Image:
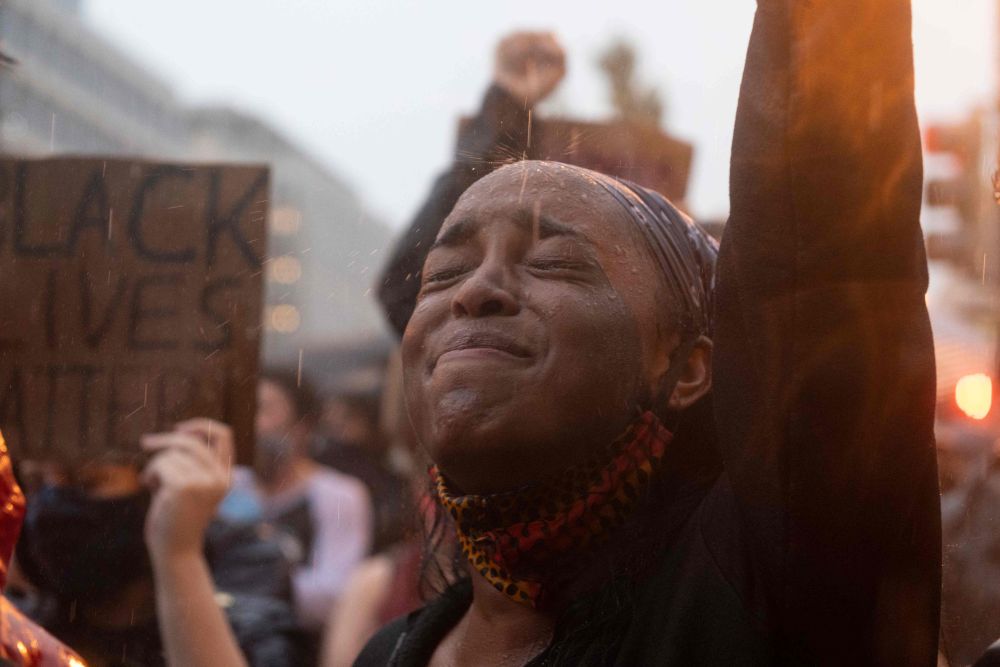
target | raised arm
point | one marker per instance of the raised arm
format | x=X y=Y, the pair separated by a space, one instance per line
x=824 y=368
x=528 y=67
x=189 y=475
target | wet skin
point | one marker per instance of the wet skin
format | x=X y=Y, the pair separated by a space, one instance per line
x=539 y=330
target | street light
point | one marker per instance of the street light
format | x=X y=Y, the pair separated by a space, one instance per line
x=974 y=395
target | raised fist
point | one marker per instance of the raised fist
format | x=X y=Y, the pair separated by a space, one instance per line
x=529 y=65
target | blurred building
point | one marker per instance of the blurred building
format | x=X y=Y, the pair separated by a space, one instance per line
x=959 y=213
x=323 y=247
x=959 y=218
x=72 y=92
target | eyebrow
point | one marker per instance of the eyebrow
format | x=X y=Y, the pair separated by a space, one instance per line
x=547 y=227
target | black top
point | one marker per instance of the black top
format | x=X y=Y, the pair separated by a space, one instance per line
x=819 y=543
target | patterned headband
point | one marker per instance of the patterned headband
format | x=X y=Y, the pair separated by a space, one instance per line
x=685 y=253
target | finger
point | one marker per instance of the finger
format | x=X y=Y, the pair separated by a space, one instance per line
x=190 y=442
x=548 y=51
x=218 y=435
x=519 y=39
x=550 y=42
x=177 y=459
x=520 y=46
x=152 y=442
x=210 y=429
x=163 y=471
x=506 y=46
x=190 y=445
x=173 y=469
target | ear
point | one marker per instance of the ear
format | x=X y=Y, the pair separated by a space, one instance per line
x=696 y=376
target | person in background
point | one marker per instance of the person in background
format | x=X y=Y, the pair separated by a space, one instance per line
x=83 y=552
x=963 y=453
x=970 y=511
x=388 y=584
x=321 y=516
x=350 y=419
x=382 y=588
x=22 y=642
x=352 y=442
x=648 y=461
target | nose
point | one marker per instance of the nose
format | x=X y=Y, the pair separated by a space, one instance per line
x=485 y=293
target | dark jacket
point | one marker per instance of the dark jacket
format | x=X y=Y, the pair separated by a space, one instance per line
x=251 y=580
x=819 y=543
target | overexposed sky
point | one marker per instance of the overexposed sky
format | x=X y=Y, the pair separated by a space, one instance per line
x=373 y=87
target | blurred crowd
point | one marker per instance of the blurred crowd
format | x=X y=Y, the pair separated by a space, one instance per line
x=320 y=543
x=321 y=540
x=324 y=516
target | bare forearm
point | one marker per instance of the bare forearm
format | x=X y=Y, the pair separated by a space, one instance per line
x=195 y=631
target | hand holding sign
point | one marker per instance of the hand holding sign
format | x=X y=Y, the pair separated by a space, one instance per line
x=188 y=475
x=130 y=298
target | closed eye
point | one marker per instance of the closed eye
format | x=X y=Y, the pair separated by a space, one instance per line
x=557 y=265
x=445 y=274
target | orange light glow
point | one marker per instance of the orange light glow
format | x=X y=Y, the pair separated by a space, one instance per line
x=974 y=395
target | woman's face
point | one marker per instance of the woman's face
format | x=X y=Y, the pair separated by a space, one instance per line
x=536 y=333
x=275 y=410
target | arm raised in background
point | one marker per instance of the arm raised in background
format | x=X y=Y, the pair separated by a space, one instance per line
x=528 y=67
x=189 y=476
x=824 y=367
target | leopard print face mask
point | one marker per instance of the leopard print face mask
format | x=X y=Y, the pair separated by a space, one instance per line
x=528 y=543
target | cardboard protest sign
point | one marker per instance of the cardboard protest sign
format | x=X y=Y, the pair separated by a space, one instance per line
x=639 y=153
x=130 y=298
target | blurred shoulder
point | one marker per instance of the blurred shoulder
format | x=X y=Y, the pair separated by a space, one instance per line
x=330 y=483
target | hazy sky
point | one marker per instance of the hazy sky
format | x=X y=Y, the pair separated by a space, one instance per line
x=373 y=87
